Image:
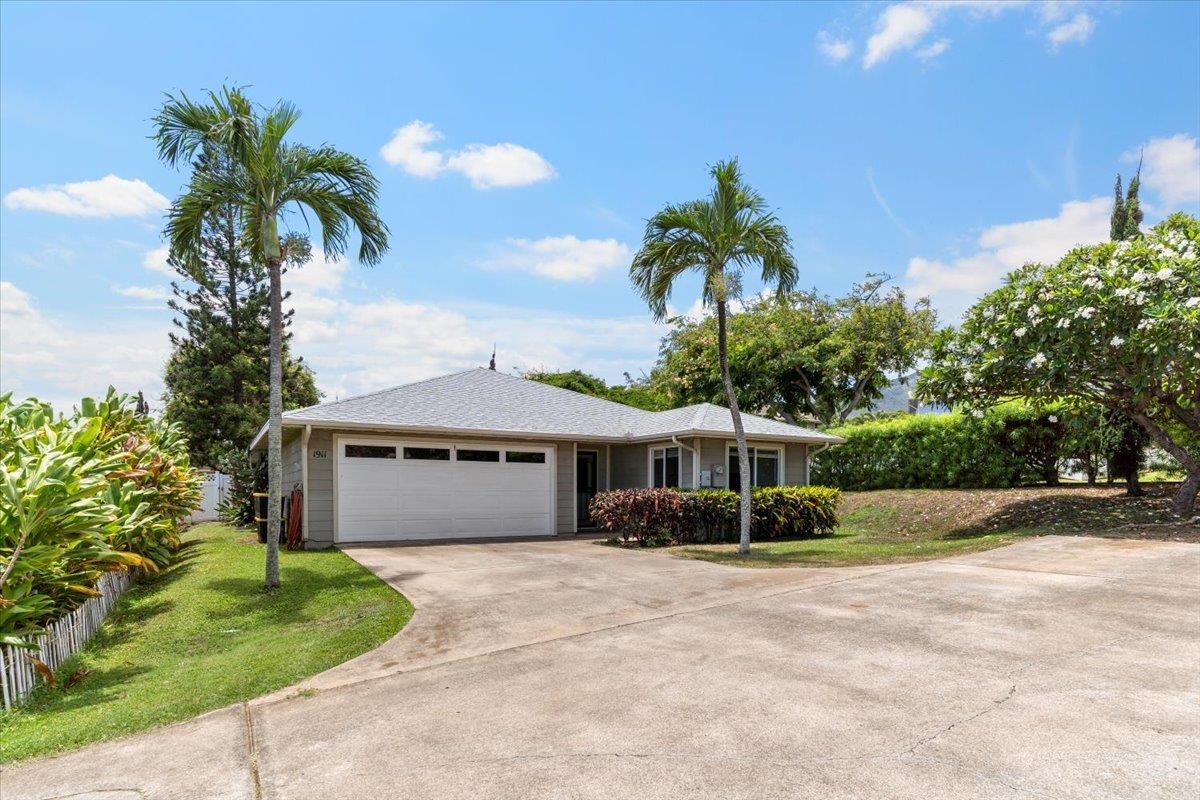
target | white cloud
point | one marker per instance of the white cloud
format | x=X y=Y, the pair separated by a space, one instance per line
x=906 y=26
x=486 y=165
x=900 y=27
x=934 y=50
x=109 y=196
x=562 y=258
x=361 y=346
x=1171 y=168
x=1077 y=29
x=834 y=48
x=142 y=292
x=953 y=285
x=61 y=359
x=407 y=150
x=505 y=164
x=156 y=261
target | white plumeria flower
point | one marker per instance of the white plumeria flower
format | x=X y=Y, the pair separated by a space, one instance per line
x=1124 y=291
x=1138 y=276
x=1163 y=273
x=1019 y=332
x=1087 y=313
x=1191 y=302
x=1116 y=341
x=1038 y=359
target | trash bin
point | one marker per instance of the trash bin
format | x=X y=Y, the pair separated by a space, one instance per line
x=260 y=517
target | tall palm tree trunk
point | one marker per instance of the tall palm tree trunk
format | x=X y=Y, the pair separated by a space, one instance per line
x=739 y=433
x=275 y=429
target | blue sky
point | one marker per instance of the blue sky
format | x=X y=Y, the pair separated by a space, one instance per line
x=943 y=144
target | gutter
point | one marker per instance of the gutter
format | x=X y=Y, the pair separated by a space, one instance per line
x=304 y=482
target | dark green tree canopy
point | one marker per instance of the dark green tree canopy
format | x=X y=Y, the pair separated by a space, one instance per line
x=637 y=393
x=802 y=355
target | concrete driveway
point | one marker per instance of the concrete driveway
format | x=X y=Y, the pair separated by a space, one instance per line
x=1053 y=668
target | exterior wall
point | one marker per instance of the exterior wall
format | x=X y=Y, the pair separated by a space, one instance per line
x=795 y=465
x=795 y=461
x=564 y=465
x=320 y=489
x=292 y=456
x=629 y=466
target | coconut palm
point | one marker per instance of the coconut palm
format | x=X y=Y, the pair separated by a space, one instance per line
x=719 y=237
x=268 y=178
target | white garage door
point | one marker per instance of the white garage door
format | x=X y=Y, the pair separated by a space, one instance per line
x=391 y=489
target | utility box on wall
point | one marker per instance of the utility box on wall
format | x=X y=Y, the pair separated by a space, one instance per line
x=705 y=478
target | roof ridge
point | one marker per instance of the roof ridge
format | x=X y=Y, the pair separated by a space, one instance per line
x=383 y=391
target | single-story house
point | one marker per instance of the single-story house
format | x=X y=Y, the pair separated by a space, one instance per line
x=481 y=453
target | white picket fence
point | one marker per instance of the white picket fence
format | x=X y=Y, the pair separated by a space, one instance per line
x=66 y=636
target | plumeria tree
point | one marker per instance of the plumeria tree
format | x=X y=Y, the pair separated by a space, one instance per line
x=1117 y=324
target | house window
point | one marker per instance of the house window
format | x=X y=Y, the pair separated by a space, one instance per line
x=427 y=453
x=664 y=467
x=522 y=457
x=369 y=451
x=764 y=468
x=478 y=455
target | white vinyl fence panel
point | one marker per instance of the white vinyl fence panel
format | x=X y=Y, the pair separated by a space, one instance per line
x=216 y=487
x=66 y=636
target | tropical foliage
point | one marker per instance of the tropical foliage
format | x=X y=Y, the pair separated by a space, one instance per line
x=719 y=237
x=1117 y=324
x=104 y=489
x=1012 y=444
x=637 y=393
x=802 y=355
x=268 y=181
x=217 y=377
x=658 y=517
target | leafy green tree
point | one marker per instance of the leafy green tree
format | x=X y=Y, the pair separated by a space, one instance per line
x=217 y=376
x=803 y=355
x=1125 y=439
x=719 y=237
x=637 y=393
x=1117 y=324
x=268 y=179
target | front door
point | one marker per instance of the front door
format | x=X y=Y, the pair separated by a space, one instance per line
x=586 y=485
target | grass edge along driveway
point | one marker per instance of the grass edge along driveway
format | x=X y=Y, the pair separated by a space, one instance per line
x=891 y=526
x=203 y=635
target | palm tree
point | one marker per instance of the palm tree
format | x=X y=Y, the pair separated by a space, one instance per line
x=719 y=237
x=268 y=177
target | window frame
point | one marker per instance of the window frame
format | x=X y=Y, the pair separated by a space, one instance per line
x=652 y=457
x=507 y=453
x=731 y=458
x=377 y=447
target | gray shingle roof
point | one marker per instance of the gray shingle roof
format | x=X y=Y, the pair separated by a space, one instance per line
x=484 y=401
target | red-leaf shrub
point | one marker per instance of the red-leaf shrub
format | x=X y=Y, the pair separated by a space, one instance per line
x=674 y=516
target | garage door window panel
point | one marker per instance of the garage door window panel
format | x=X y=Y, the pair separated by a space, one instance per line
x=524 y=457
x=427 y=454
x=484 y=456
x=369 y=451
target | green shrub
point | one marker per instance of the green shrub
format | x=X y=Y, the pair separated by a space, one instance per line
x=102 y=490
x=1009 y=445
x=659 y=517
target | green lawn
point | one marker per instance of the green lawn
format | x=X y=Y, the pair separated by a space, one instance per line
x=893 y=526
x=202 y=635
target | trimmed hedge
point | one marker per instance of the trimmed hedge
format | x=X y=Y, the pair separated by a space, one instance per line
x=1008 y=446
x=659 y=517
